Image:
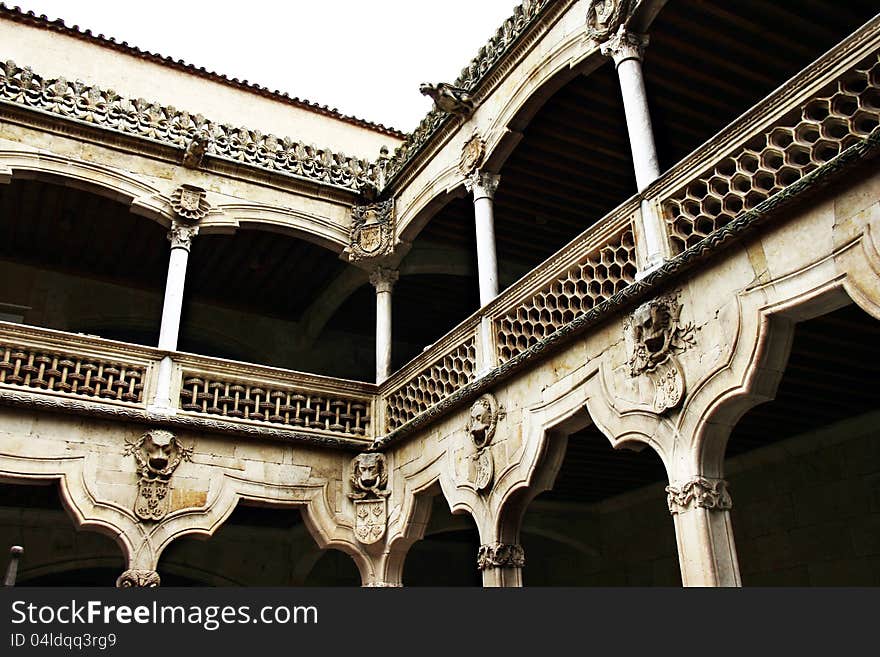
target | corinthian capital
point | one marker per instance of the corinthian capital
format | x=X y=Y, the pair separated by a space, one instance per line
x=481 y=184
x=625 y=45
x=181 y=235
x=384 y=278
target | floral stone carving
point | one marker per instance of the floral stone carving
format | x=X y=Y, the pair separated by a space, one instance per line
x=483 y=422
x=369 y=479
x=138 y=579
x=500 y=555
x=157 y=453
x=654 y=336
x=701 y=493
x=372 y=231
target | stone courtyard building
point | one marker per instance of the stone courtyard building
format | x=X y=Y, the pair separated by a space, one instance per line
x=608 y=316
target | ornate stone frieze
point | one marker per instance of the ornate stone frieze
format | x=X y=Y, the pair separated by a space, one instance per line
x=384 y=278
x=369 y=481
x=190 y=203
x=699 y=492
x=482 y=183
x=472 y=154
x=157 y=453
x=470 y=78
x=372 y=231
x=138 y=579
x=625 y=45
x=449 y=99
x=196 y=149
x=605 y=17
x=654 y=336
x=140 y=118
x=482 y=424
x=500 y=555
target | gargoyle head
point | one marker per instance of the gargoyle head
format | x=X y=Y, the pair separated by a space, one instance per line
x=369 y=476
x=483 y=420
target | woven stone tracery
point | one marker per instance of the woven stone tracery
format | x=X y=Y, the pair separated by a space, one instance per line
x=455 y=370
x=839 y=115
x=41 y=370
x=295 y=408
x=600 y=275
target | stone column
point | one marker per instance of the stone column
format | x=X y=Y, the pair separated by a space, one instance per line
x=383 y=279
x=706 y=552
x=482 y=186
x=501 y=564
x=15 y=553
x=627 y=49
x=180 y=236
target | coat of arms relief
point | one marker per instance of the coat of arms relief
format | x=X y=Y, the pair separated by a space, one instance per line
x=369 y=482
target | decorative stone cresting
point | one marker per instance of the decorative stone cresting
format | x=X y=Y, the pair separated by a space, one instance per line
x=584 y=285
x=701 y=493
x=157 y=453
x=838 y=116
x=28 y=367
x=500 y=555
x=482 y=424
x=138 y=579
x=372 y=231
x=369 y=481
x=654 y=335
x=605 y=17
x=167 y=125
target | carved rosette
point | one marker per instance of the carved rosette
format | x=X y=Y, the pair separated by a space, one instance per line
x=699 y=492
x=625 y=45
x=472 y=154
x=157 y=454
x=383 y=279
x=372 y=231
x=654 y=336
x=482 y=184
x=138 y=579
x=190 y=203
x=369 y=481
x=605 y=17
x=501 y=555
x=482 y=424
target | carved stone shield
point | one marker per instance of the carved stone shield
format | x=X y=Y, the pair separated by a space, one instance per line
x=485 y=469
x=190 y=199
x=668 y=385
x=153 y=501
x=371 y=517
x=370 y=238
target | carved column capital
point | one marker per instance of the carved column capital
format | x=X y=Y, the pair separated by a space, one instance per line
x=138 y=579
x=698 y=492
x=384 y=278
x=382 y=585
x=500 y=555
x=482 y=185
x=181 y=235
x=625 y=45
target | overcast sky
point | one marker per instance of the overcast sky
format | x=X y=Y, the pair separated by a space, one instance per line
x=363 y=57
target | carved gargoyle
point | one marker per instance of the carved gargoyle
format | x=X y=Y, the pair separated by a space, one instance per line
x=157 y=454
x=449 y=99
x=195 y=150
x=369 y=476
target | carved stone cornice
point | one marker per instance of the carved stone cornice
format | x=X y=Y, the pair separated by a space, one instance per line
x=482 y=185
x=134 y=578
x=103 y=108
x=699 y=492
x=372 y=231
x=625 y=45
x=383 y=279
x=501 y=555
x=181 y=235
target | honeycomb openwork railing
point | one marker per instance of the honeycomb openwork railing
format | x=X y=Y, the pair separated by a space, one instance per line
x=838 y=115
x=248 y=393
x=71 y=366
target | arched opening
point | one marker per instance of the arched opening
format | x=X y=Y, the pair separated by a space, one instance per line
x=604 y=523
x=447 y=555
x=76 y=261
x=804 y=469
x=56 y=553
x=257 y=546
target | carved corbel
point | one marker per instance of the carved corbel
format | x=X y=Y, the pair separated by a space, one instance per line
x=138 y=579
x=157 y=454
x=369 y=481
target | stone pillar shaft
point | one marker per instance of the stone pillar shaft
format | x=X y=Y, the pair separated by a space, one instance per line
x=181 y=237
x=383 y=280
x=483 y=187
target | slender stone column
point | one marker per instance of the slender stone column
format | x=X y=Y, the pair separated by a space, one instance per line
x=383 y=279
x=180 y=236
x=501 y=564
x=706 y=550
x=483 y=186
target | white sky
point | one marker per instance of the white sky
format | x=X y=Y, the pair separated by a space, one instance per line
x=363 y=57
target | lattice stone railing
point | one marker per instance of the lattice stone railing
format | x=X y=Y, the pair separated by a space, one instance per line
x=453 y=369
x=275 y=397
x=591 y=279
x=41 y=360
x=845 y=110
